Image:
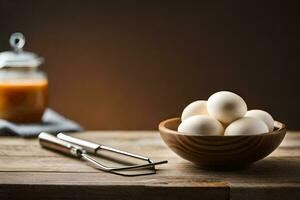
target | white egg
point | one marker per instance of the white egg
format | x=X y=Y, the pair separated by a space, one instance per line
x=226 y=106
x=262 y=115
x=201 y=125
x=246 y=126
x=194 y=108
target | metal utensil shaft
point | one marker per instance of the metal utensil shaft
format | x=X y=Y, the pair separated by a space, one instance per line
x=93 y=147
x=51 y=142
x=80 y=148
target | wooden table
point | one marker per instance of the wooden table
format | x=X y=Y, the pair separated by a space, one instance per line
x=29 y=172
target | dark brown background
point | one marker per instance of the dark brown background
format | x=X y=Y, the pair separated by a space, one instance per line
x=129 y=65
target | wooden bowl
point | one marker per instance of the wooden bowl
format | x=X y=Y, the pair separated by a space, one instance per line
x=221 y=152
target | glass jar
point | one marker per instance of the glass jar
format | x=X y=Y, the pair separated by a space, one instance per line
x=23 y=87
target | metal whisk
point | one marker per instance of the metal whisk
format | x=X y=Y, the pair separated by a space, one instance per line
x=81 y=148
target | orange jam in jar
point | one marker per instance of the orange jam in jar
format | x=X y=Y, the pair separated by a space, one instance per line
x=23 y=87
x=23 y=101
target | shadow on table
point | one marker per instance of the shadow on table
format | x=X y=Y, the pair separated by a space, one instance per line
x=269 y=170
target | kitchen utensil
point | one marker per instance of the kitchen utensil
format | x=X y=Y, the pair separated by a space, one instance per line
x=84 y=149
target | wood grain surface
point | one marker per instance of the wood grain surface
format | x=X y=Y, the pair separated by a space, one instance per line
x=29 y=172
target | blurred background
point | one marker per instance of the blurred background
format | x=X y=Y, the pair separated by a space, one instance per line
x=130 y=64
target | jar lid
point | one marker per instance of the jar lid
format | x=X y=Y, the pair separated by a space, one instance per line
x=17 y=57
